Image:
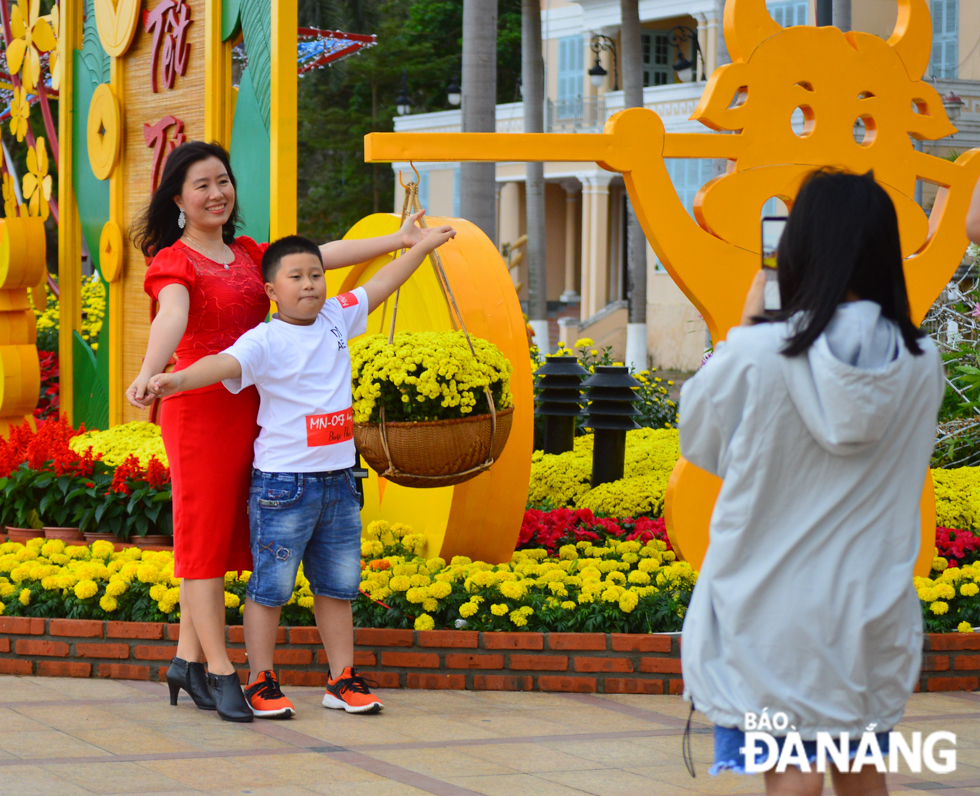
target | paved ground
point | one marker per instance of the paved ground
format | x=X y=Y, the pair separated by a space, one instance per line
x=68 y=737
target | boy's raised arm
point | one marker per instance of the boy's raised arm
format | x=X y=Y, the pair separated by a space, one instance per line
x=397 y=272
x=203 y=373
x=342 y=253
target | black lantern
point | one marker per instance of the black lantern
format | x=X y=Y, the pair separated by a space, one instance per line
x=559 y=401
x=611 y=412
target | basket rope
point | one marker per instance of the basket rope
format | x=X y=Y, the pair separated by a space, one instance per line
x=412 y=204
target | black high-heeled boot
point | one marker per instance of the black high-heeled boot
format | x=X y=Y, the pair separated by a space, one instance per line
x=192 y=677
x=228 y=697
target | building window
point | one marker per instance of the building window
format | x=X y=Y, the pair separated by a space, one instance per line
x=657 y=61
x=945 y=39
x=687 y=175
x=571 y=76
x=456 y=187
x=789 y=12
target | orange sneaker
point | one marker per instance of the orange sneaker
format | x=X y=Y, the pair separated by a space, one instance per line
x=266 y=699
x=350 y=692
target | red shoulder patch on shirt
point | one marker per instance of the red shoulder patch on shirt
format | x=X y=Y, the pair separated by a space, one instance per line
x=347 y=300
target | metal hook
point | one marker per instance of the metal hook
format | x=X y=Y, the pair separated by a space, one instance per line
x=418 y=179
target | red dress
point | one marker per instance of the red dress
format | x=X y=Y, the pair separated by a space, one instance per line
x=208 y=433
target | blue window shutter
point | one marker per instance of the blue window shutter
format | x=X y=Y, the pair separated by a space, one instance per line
x=944 y=61
x=424 y=189
x=571 y=76
x=789 y=12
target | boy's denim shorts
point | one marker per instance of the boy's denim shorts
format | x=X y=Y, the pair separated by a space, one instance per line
x=310 y=517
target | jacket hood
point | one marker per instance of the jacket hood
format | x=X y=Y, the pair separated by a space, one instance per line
x=849 y=385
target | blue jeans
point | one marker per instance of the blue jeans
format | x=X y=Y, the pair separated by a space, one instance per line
x=729 y=741
x=310 y=517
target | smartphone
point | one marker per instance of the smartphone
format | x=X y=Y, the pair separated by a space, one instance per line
x=772 y=231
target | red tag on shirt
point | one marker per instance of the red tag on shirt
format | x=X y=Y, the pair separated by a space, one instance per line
x=347 y=300
x=329 y=429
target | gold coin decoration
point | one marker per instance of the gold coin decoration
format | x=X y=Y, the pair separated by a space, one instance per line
x=111 y=252
x=104 y=131
x=116 y=21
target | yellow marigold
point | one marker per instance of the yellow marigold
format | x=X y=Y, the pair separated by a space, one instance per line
x=25 y=597
x=231 y=600
x=306 y=602
x=102 y=549
x=939 y=607
x=969 y=589
x=147 y=573
x=513 y=590
x=109 y=604
x=569 y=605
x=440 y=590
x=116 y=588
x=6 y=590
x=157 y=590
x=466 y=610
x=424 y=622
x=939 y=563
x=52 y=547
x=584 y=342
x=499 y=609
x=2 y=608
x=400 y=583
x=628 y=601
x=85 y=589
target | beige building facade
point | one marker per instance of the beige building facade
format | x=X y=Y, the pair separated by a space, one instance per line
x=586 y=206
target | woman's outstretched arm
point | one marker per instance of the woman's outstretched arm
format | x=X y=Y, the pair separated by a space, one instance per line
x=343 y=253
x=165 y=333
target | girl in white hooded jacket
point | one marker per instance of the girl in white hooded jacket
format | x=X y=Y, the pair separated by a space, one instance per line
x=821 y=421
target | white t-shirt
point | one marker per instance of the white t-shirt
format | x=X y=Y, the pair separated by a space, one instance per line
x=303 y=375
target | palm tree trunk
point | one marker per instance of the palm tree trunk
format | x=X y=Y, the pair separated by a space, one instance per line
x=532 y=79
x=478 y=191
x=636 y=242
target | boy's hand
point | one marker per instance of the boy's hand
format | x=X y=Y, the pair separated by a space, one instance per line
x=164 y=384
x=435 y=237
x=410 y=233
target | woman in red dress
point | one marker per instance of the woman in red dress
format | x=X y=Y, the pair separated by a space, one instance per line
x=210 y=290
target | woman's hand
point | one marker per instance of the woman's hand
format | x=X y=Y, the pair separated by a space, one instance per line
x=410 y=233
x=138 y=393
x=755 y=299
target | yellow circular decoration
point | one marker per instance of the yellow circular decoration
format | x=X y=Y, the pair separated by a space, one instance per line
x=116 y=21
x=111 y=252
x=104 y=131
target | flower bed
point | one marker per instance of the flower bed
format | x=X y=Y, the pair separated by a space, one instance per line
x=94 y=481
x=618 y=586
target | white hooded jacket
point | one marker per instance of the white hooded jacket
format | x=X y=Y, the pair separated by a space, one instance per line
x=804 y=603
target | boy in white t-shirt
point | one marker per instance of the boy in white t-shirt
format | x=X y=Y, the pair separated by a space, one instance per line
x=304 y=503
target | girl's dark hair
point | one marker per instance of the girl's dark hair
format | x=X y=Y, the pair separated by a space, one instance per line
x=156 y=228
x=842 y=235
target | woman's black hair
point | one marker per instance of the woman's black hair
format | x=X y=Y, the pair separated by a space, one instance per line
x=156 y=228
x=841 y=236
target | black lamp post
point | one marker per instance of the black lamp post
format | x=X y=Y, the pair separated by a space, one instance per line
x=560 y=401
x=611 y=411
x=597 y=74
x=454 y=93
x=402 y=104
x=678 y=35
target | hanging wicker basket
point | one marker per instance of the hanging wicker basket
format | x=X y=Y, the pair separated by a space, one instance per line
x=433 y=453
x=436 y=452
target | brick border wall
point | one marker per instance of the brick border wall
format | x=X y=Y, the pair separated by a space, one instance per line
x=610 y=663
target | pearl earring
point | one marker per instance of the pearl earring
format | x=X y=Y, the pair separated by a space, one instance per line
x=181 y=220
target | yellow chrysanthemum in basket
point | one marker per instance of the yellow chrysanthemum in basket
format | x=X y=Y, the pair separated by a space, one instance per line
x=427 y=376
